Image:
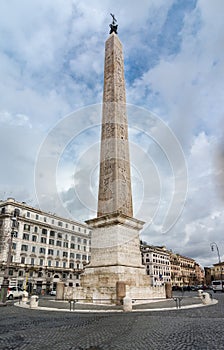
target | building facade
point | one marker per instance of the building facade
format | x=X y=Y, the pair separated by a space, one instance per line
x=185 y=271
x=217 y=271
x=45 y=248
x=164 y=266
x=157 y=262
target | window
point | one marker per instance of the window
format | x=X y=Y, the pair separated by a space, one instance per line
x=24 y=247
x=15 y=234
x=51 y=241
x=60 y=223
x=65 y=244
x=28 y=214
x=50 y=252
x=44 y=231
x=37 y=217
x=36 y=229
x=52 y=221
x=45 y=219
x=58 y=252
x=43 y=240
x=84 y=257
x=66 y=225
x=59 y=235
x=64 y=265
x=49 y=262
x=79 y=229
x=65 y=254
x=78 y=247
x=58 y=243
x=26 y=236
x=72 y=255
x=78 y=256
x=71 y=265
x=52 y=233
x=20 y=273
x=57 y=264
x=79 y=240
x=32 y=261
x=72 y=246
x=40 y=274
x=26 y=227
x=84 y=241
x=84 y=230
x=73 y=227
x=41 y=264
x=34 y=238
x=33 y=249
x=42 y=250
x=73 y=238
x=14 y=246
x=23 y=260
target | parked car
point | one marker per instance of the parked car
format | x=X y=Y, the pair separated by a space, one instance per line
x=14 y=292
x=52 y=292
x=218 y=285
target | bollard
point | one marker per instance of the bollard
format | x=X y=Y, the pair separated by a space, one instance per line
x=200 y=291
x=178 y=301
x=25 y=297
x=127 y=304
x=206 y=298
x=34 y=301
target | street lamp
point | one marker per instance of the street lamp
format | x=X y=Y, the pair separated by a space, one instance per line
x=5 y=283
x=214 y=244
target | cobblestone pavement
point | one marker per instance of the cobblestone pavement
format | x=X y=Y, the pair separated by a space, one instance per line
x=185 y=329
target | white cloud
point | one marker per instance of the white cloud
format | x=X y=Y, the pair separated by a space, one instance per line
x=52 y=56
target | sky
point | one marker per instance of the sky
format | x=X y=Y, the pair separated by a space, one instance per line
x=51 y=84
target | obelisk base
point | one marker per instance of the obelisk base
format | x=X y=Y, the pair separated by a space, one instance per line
x=116 y=257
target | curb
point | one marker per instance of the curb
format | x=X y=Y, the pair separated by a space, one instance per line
x=42 y=308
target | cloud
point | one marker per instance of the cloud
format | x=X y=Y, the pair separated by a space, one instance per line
x=52 y=57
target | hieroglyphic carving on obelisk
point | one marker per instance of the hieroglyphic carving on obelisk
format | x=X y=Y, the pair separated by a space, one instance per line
x=115 y=179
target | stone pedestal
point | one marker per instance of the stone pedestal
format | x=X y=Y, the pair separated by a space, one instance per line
x=60 y=291
x=120 y=292
x=115 y=259
x=168 y=288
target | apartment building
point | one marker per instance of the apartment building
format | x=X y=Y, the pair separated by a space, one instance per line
x=164 y=266
x=185 y=271
x=45 y=248
x=157 y=263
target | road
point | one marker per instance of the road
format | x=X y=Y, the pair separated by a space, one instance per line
x=191 y=329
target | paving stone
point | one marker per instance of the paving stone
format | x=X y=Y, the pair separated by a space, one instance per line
x=184 y=329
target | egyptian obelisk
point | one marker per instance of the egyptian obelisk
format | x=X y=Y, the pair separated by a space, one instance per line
x=115 y=243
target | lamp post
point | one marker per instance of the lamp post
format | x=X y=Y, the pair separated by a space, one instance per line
x=5 y=283
x=214 y=244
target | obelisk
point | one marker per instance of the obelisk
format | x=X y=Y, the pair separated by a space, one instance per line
x=115 y=178
x=115 y=243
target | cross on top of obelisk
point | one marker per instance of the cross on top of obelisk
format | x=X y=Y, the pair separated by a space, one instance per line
x=113 y=25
